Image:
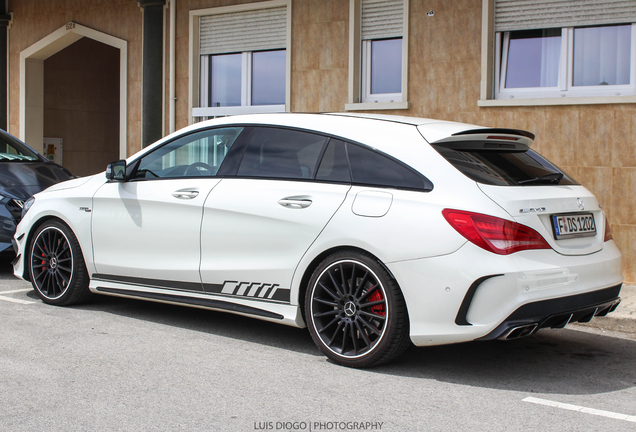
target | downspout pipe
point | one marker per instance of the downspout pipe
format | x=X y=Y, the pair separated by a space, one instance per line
x=5 y=20
x=152 y=71
x=173 y=84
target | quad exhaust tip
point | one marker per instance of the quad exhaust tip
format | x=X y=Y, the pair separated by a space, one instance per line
x=518 y=332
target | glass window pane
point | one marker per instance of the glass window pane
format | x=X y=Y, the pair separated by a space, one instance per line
x=225 y=76
x=197 y=154
x=602 y=55
x=371 y=168
x=386 y=66
x=503 y=168
x=12 y=149
x=334 y=166
x=533 y=58
x=268 y=77
x=282 y=153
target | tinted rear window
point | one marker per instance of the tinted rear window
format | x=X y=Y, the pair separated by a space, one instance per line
x=505 y=168
x=371 y=168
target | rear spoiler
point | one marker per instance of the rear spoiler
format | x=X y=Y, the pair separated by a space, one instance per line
x=490 y=139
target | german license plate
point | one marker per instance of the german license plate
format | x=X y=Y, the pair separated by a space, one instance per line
x=573 y=225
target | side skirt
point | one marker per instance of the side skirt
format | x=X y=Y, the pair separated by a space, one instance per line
x=191 y=301
x=269 y=311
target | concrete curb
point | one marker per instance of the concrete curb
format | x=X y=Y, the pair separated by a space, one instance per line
x=627 y=308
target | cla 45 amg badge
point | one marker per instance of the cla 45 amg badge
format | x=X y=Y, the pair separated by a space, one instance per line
x=532 y=210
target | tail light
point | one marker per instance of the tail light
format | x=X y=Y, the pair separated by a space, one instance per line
x=608 y=231
x=493 y=234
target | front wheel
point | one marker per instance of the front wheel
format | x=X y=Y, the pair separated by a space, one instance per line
x=355 y=311
x=56 y=265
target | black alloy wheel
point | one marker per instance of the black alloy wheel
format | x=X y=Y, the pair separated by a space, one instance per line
x=56 y=265
x=355 y=311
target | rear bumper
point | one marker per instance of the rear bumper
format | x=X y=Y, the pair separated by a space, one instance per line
x=556 y=313
x=472 y=294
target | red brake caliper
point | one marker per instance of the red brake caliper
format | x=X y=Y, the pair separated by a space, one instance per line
x=379 y=308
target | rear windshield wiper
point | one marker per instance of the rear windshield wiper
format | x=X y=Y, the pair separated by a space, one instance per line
x=550 y=178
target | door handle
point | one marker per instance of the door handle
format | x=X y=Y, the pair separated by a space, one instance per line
x=185 y=194
x=295 y=203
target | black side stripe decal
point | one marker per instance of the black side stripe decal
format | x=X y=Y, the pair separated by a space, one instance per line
x=252 y=290
x=209 y=303
x=158 y=283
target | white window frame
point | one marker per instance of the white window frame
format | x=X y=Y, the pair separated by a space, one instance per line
x=246 y=84
x=366 y=95
x=199 y=78
x=564 y=88
x=490 y=71
x=359 y=96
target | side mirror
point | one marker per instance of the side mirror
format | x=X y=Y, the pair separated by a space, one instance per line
x=116 y=171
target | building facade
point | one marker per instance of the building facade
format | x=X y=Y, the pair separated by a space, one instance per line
x=103 y=78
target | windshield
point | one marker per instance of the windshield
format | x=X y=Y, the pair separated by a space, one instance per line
x=504 y=168
x=12 y=149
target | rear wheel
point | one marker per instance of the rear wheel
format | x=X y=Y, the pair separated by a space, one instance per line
x=355 y=311
x=56 y=265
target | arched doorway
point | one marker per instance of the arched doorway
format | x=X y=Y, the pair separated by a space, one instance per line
x=73 y=88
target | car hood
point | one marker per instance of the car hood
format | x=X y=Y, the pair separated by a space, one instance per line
x=23 y=179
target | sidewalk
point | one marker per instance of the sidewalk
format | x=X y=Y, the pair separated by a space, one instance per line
x=627 y=308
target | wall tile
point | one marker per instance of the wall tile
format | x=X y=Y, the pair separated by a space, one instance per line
x=595 y=137
x=625 y=239
x=599 y=181
x=624 y=196
x=624 y=143
x=559 y=139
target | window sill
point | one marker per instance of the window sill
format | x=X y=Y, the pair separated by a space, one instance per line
x=376 y=106
x=557 y=101
x=235 y=110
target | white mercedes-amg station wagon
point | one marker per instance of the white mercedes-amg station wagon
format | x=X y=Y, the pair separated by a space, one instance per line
x=373 y=231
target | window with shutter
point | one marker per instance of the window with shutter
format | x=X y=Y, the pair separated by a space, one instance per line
x=575 y=48
x=242 y=56
x=378 y=57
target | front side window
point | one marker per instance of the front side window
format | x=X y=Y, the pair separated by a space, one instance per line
x=565 y=62
x=197 y=154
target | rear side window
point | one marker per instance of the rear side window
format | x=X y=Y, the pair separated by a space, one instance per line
x=519 y=167
x=371 y=168
x=282 y=153
x=334 y=166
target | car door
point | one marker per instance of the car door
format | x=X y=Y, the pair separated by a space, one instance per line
x=257 y=225
x=146 y=230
